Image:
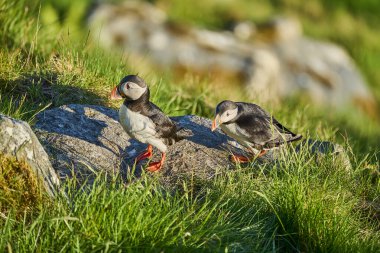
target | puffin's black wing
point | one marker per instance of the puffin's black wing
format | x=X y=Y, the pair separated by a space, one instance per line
x=262 y=128
x=165 y=127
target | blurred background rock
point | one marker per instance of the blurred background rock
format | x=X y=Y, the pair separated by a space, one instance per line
x=272 y=60
x=327 y=50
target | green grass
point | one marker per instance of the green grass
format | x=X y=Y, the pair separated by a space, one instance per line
x=303 y=204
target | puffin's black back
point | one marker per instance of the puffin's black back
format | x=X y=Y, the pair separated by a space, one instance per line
x=165 y=127
x=262 y=127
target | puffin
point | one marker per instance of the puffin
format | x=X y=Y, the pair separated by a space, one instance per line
x=252 y=127
x=144 y=121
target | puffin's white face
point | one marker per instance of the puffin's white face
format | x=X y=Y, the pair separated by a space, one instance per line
x=224 y=117
x=132 y=90
x=228 y=115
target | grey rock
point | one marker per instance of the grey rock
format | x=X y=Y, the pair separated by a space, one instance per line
x=86 y=138
x=82 y=138
x=17 y=139
x=322 y=149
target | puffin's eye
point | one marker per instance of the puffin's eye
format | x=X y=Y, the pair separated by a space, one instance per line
x=127 y=85
x=227 y=114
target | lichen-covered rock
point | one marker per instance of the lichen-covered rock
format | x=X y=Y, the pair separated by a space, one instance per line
x=82 y=138
x=17 y=139
x=86 y=138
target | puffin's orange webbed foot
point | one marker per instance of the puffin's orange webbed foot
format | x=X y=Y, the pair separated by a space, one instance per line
x=244 y=159
x=147 y=154
x=239 y=159
x=156 y=166
x=262 y=152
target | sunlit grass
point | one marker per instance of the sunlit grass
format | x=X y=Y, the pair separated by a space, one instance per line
x=20 y=108
x=301 y=204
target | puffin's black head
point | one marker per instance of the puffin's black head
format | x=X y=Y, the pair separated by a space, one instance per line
x=225 y=112
x=131 y=87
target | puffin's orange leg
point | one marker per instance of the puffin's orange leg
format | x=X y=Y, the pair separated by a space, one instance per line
x=262 y=152
x=156 y=166
x=244 y=159
x=147 y=154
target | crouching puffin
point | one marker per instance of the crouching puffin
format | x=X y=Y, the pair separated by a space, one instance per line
x=143 y=120
x=252 y=127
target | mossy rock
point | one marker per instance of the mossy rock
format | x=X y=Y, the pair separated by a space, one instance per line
x=20 y=189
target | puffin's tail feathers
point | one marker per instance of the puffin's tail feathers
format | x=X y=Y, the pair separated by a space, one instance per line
x=294 y=137
x=280 y=141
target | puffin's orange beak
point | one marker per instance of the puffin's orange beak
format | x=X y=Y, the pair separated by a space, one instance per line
x=215 y=123
x=115 y=94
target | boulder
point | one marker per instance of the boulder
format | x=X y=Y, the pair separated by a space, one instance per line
x=17 y=139
x=320 y=149
x=88 y=138
x=82 y=138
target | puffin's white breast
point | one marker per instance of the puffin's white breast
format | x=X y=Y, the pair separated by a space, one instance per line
x=140 y=127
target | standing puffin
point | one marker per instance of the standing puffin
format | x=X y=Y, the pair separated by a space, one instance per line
x=251 y=126
x=143 y=120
